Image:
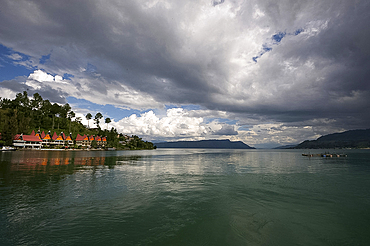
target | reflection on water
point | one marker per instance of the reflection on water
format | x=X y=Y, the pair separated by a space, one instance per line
x=183 y=197
x=45 y=161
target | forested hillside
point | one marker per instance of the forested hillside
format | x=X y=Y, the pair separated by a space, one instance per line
x=348 y=139
x=24 y=114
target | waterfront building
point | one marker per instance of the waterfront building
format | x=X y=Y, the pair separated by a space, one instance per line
x=39 y=140
x=81 y=140
x=60 y=139
x=69 y=140
x=27 y=141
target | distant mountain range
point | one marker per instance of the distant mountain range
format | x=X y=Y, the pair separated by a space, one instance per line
x=205 y=144
x=286 y=146
x=348 y=139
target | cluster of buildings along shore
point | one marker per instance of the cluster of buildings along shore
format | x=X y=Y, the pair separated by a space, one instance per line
x=41 y=140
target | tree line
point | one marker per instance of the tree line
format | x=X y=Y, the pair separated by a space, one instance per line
x=24 y=114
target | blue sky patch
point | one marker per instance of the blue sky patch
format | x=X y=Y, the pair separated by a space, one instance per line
x=265 y=48
x=91 y=68
x=187 y=107
x=278 y=37
x=9 y=70
x=298 y=31
x=67 y=76
x=45 y=59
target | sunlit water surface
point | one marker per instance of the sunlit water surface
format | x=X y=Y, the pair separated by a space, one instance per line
x=184 y=197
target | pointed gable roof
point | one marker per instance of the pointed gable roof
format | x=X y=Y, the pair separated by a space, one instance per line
x=43 y=135
x=86 y=137
x=91 y=138
x=69 y=138
x=30 y=138
x=80 y=138
x=104 y=139
x=47 y=136
x=60 y=137
x=55 y=136
x=33 y=133
x=97 y=138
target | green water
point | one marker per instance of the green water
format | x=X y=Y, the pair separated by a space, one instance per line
x=184 y=197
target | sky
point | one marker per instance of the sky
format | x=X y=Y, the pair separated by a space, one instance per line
x=265 y=72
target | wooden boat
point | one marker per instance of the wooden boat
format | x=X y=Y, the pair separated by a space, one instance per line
x=326 y=155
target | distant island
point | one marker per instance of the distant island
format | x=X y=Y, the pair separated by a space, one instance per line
x=205 y=144
x=347 y=139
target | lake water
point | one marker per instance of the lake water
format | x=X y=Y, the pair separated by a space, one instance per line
x=184 y=197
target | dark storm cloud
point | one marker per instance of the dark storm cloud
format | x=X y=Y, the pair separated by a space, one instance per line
x=54 y=95
x=316 y=65
x=13 y=85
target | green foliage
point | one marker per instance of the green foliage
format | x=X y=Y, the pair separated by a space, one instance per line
x=94 y=144
x=137 y=143
x=107 y=121
x=97 y=118
x=88 y=117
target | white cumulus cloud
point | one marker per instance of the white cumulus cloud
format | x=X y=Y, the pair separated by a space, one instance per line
x=177 y=123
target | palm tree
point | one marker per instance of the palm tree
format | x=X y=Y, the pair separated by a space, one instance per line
x=88 y=117
x=98 y=116
x=78 y=119
x=107 y=121
x=70 y=115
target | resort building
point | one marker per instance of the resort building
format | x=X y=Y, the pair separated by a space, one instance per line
x=27 y=141
x=82 y=140
x=69 y=140
x=39 y=140
x=86 y=140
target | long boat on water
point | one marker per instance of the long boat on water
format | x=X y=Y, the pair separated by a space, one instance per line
x=325 y=155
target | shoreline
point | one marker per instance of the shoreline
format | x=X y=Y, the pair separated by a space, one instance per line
x=62 y=150
x=78 y=149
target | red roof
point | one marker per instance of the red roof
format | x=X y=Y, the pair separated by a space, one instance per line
x=17 y=137
x=43 y=134
x=91 y=138
x=33 y=133
x=31 y=138
x=80 y=138
x=63 y=135
x=55 y=136
x=98 y=138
